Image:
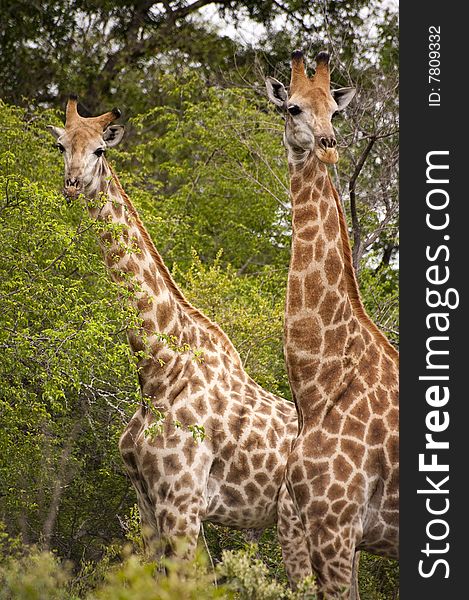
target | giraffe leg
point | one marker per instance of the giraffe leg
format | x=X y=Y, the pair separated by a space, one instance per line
x=178 y=527
x=334 y=559
x=148 y=525
x=292 y=539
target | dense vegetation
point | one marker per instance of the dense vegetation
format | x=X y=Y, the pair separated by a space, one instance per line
x=204 y=164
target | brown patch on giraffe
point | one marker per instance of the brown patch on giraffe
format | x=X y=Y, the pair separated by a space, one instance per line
x=328 y=307
x=308 y=234
x=348 y=513
x=354 y=428
x=319 y=249
x=232 y=495
x=218 y=469
x=195 y=385
x=199 y=404
x=321 y=482
x=389 y=367
x=342 y=468
x=296 y=184
x=305 y=331
x=393 y=449
x=328 y=376
x=294 y=298
x=257 y=460
x=393 y=419
x=376 y=433
x=302 y=493
x=309 y=172
x=317 y=561
x=335 y=340
x=329 y=551
x=207 y=372
x=356 y=487
x=361 y=410
x=331 y=226
x=211 y=360
x=188 y=369
x=318 y=443
x=379 y=401
x=151 y=281
x=217 y=401
x=332 y=266
x=297 y=473
x=272 y=437
x=366 y=335
x=254 y=441
x=323 y=207
x=335 y=491
x=354 y=450
x=261 y=478
x=302 y=257
x=150 y=465
x=165 y=314
x=186 y=416
x=370 y=373
x=313 y=289
x=187 y=481
x=178 y=388
x=236 y=385
x=240 y=470
x=304 y=214
x=318 y=508
x=303 y=195
x=277 y=475
x=338 y=506
x=228 y=450
x=271 y=462
x=252 y=492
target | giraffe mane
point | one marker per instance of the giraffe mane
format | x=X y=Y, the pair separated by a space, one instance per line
x=210 y=325
x=351 y=278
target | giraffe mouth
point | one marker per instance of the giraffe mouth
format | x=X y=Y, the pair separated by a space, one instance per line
x=329 y=156
x=71 y=192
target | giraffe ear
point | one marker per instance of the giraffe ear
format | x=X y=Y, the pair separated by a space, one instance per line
x=56 y=131
x=342 y=96
x=113 y=134
x=276 y=91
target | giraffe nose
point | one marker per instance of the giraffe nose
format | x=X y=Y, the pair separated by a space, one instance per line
x=327 y=142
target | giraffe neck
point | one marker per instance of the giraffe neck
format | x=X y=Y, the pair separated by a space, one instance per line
x=324 y=313
x=134 y=262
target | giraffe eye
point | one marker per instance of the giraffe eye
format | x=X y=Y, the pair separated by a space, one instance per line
x=99 y=152
x=60 y=148
x=294 y=109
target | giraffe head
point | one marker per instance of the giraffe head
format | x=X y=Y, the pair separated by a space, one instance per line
x=309 y=108
x=83 y=142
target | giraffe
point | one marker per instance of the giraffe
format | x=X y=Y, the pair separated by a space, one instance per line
x=343 y=469
x=193 y=376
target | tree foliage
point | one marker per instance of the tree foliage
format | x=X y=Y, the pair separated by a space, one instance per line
x=204 y=163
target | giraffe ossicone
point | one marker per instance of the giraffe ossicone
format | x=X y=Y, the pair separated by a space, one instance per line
x=234 y=476
x=343 y=471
